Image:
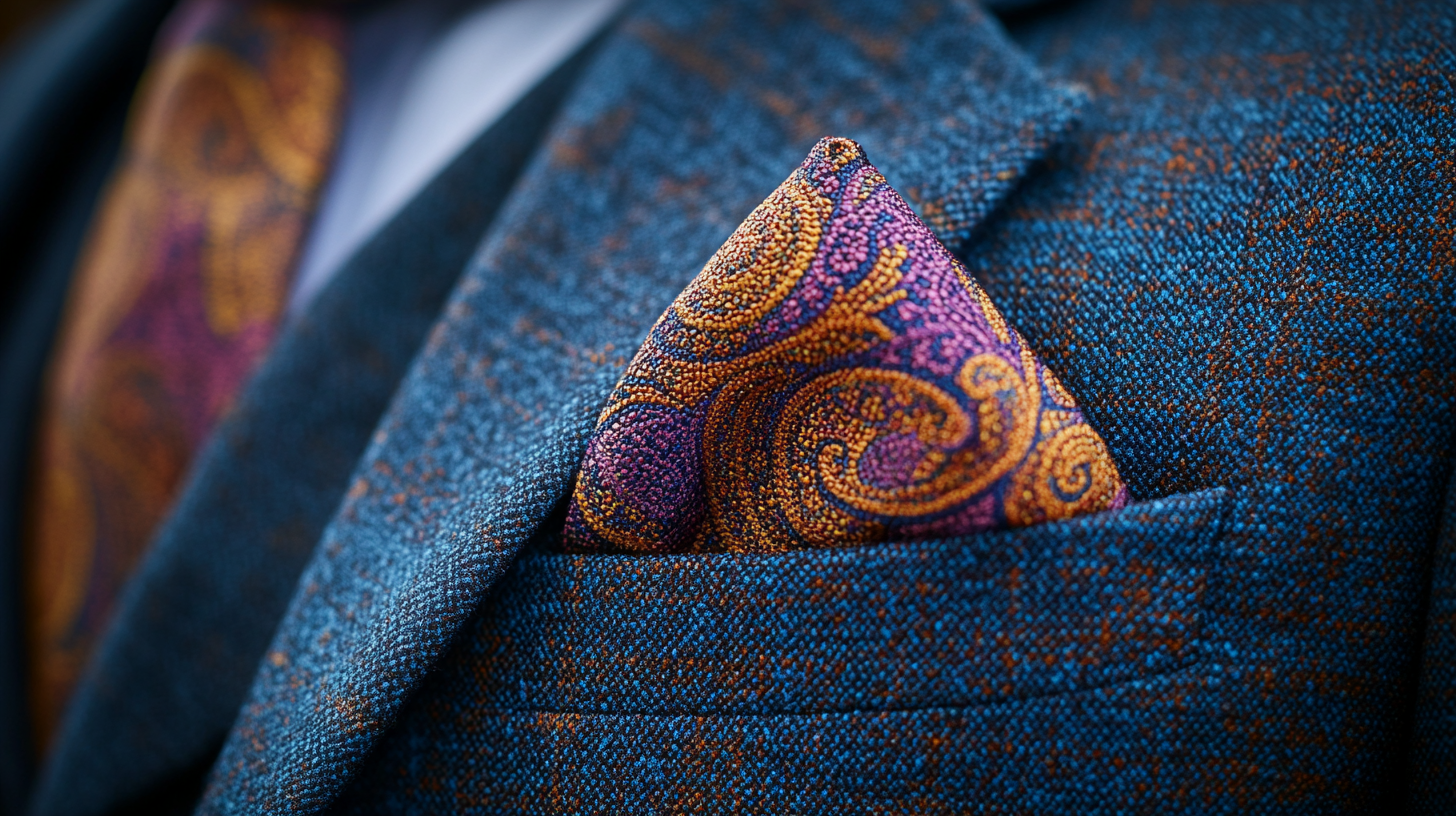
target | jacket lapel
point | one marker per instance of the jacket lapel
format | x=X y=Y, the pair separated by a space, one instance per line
x=688 y=118
x=167 y=681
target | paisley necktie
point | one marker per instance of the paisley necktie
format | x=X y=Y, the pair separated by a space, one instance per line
x=175 y=298
x=833 y=376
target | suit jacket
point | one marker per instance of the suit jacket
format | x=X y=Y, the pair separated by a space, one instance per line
x=1226 y=229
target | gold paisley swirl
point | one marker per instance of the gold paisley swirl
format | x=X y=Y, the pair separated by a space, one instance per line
x=736 y=470
x=988 y=378
x=1070 y=474
x=308 y=77
x=847 y=326
x=736 y=456
x=859 y=406
x=762 y=261
x=828 y=427
x=203 y=82
x=1054 y=419
x=115 y=456
x=245 y=153
x=248 y=255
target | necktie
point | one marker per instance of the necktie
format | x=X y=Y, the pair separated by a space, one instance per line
x=833 y=376
x=176 y=296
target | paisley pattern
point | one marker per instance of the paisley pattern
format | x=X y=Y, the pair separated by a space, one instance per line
x=832 y=377
x=175 y=298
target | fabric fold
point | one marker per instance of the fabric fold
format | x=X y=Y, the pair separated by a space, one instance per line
x=832 y=377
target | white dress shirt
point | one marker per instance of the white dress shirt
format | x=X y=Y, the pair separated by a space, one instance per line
x=425 y=78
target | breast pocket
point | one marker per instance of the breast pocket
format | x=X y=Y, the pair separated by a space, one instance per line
x=1038 y=611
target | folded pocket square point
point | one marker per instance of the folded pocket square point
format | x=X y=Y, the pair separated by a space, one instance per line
x=833 y=376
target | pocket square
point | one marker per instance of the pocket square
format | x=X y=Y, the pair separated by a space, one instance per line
x=832 y=377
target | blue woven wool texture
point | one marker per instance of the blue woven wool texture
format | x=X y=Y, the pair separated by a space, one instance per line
x=1240 y=265
x=1431 y=773
x=649 y=169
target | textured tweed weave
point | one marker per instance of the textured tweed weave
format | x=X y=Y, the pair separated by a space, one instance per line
x=1241 y=266
x=627 y=201
x=1431 y=771
x=883 y=676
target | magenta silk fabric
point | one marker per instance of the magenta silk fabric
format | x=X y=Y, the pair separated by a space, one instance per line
x=832 y=377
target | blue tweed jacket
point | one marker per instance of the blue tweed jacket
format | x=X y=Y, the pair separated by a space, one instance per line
x=1228 y=227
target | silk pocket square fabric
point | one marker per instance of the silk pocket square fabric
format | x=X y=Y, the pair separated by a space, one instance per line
x=832 y=377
